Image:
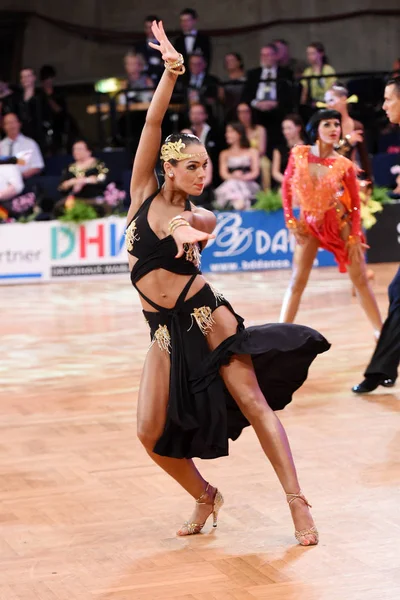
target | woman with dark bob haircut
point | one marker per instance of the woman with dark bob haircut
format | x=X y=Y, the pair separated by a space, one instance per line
x=323 y=184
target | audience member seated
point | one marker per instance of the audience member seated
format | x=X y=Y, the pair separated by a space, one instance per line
x=239 y=168
x=234 y=86
x=136 y=88
x=30 y=107
x=314 y=89
x=198 y=125
x=285 y=60
x=202 y=87
x=206 y=198
x=191 y=41
x=11 y=185
x=395 y=193
x=293 y=132
x=8 y=99
x=257 y=136
x=353 y=144
x=53 y=111
x=15 y=143
x=155 y=66
x=268 y=91
x=85 y=179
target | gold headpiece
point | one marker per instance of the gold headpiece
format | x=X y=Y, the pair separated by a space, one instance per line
x=173 y=151
x=351 y=100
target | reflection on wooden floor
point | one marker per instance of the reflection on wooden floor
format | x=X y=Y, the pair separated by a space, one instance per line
x=84 y=513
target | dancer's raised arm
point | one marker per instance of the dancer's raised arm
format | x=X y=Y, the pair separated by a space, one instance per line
x=143 y=182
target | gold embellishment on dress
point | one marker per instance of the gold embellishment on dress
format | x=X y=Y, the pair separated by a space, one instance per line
x=217 y=295
x=131 y=236
x=173 y=151
x=204 y=319
x=192 y=254
x=163 y=338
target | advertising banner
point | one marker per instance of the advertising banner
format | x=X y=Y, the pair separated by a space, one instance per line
x=55 y=251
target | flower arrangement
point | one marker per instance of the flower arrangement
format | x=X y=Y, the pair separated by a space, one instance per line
x=269 y=200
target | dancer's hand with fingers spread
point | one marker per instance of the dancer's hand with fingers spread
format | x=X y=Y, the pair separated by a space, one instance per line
x=189 y=235
x=164 y=46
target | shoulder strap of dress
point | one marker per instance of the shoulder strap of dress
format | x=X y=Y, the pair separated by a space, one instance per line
x=144 y=206
x=188 y=205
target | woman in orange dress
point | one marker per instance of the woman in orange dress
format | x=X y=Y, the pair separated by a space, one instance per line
x=324 y=185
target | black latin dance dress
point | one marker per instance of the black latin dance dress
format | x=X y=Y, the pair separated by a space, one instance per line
x=201 y=414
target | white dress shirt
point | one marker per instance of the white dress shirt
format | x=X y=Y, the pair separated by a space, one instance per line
x=190 y=39
x=196 y=81
x=22 y=143
x=267 y=89
x=204 y=132
x=10 y=175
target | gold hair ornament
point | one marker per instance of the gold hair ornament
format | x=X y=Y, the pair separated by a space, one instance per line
x=173 y=151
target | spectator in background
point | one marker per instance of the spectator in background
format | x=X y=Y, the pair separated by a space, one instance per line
x=53 y=111
x=239 y=168
x=11 y=184
x=257 y=136
x=285 y=60
x=29 y=107
x=85 y=179
x=155 y=66
x=202 y=87
x=353 y=144
x=233 y=88
x=15 y=143
x=8 y=99
x=324 y=76
x=396 y=67
x=206 y=198
x=136 y=89
x=293 y=132
x=200 y=128
x=268 y=91
x=137 y=82
x=191 y=41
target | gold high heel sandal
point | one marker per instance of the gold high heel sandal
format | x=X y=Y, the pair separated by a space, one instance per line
x=313 y=530
x=216 y=504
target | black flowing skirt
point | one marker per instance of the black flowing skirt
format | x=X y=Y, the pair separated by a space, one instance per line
x=201 y=414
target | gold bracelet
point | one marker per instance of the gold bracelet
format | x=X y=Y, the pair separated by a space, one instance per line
x=176 y=222
x=353 y=240
x=291 y=224
x=179 y=62
x=177 y=67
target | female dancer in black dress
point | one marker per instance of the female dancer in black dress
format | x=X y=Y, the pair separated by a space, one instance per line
x=204 y=374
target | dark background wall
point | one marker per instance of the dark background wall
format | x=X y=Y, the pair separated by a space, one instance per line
x=363 y=44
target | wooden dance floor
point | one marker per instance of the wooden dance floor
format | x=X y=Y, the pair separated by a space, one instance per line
x=86 y=515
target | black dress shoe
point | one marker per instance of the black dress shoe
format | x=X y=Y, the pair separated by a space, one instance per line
x=371 y=383
x=388 y=382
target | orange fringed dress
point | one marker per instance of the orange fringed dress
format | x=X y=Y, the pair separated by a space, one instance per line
x=326 y=191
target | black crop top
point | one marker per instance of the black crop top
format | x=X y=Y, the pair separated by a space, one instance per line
x=151 y=251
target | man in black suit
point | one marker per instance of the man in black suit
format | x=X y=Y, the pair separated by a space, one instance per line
x=202 y=87
x=155 y=66
x=192 y=41
x=382 y=370
x=268 y=91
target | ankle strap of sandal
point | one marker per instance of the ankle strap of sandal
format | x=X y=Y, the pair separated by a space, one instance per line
x=291 y=497
x=204 y=494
